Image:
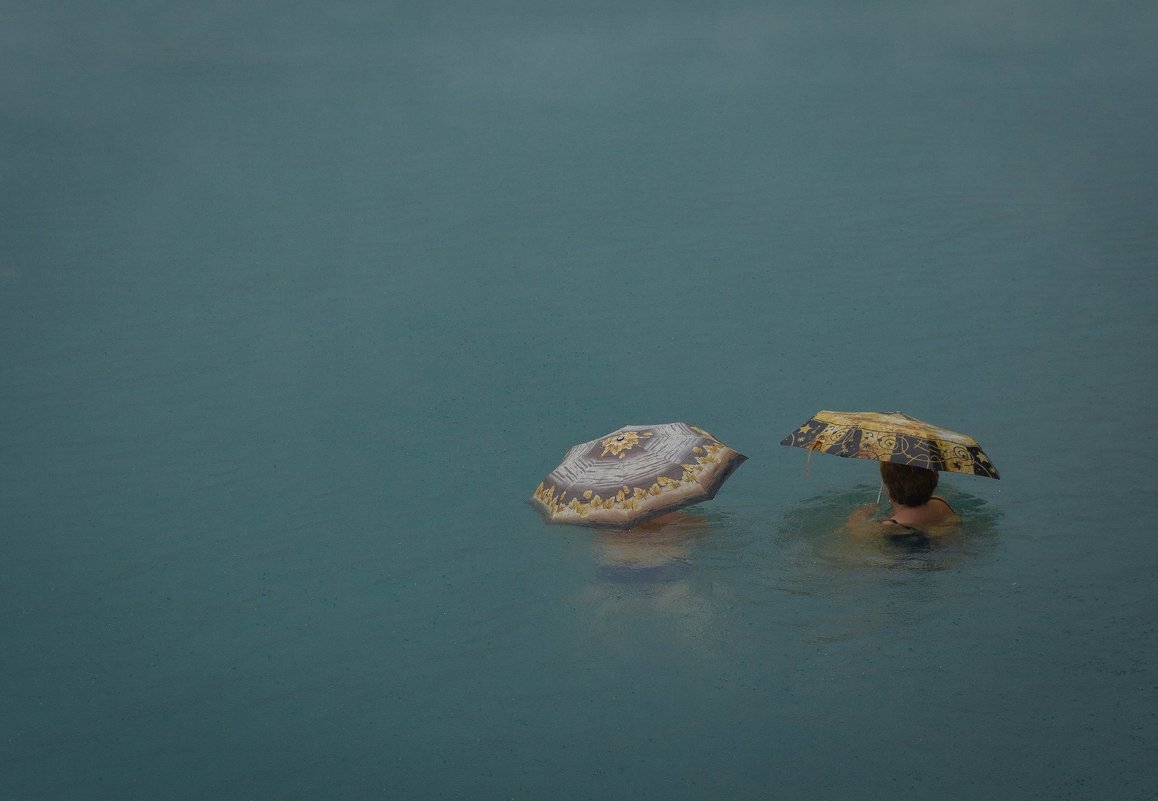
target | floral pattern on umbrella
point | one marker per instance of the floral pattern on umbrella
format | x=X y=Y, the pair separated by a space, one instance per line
x=892 y=437
x=634 y=474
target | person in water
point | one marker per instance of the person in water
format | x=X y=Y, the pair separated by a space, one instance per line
x=916 y=510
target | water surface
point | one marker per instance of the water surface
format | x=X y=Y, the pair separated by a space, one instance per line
x=298 y=305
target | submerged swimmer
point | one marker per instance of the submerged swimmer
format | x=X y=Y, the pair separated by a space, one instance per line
x=654 y=551
x=916 y=510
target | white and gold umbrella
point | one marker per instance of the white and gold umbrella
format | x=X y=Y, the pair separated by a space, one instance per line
x=634 y=474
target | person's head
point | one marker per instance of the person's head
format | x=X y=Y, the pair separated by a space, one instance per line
x=907 y=485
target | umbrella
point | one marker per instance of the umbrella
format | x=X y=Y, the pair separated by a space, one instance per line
x=635 y=473
x=891 y=437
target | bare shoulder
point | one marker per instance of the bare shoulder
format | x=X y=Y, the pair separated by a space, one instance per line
x=944 y=503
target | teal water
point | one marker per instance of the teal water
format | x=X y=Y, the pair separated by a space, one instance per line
x=298 y=303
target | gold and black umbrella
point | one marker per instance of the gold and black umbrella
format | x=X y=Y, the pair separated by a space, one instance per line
x=891 y=437
x=634 y=474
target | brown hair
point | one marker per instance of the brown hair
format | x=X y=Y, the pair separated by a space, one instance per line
x=908 y=485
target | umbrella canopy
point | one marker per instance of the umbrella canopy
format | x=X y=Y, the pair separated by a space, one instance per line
x=634 y=474
x=892 y=437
